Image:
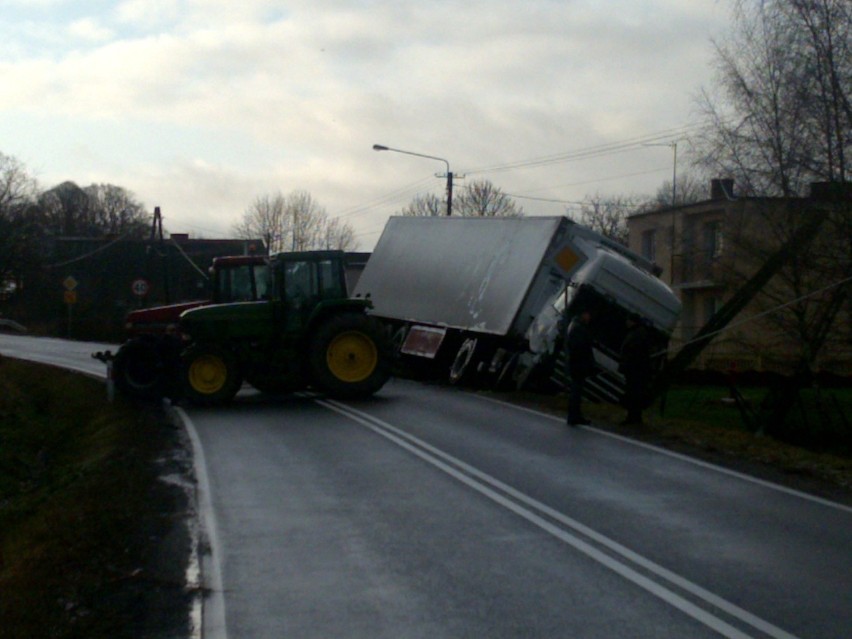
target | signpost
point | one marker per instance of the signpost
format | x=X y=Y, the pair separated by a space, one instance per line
x=140 y=287
x=70 y=296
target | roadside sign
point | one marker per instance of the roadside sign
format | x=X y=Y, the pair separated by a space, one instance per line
x=70 y=297
x=140 y=287
x=70 y=283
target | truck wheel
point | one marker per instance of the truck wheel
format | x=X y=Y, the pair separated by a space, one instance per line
x=139 y=369
x=506 y=378
x=210 y=374
x=461 y=369
x=348 y=356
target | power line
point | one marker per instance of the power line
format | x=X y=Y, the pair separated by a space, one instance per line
x=589 y=152
x=80 y=258
x=384 y=199
x=592 y=152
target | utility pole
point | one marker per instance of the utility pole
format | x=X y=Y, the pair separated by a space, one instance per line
x=449 y=191
x=157 y=235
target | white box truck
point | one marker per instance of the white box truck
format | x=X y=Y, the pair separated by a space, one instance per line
x=487 y=298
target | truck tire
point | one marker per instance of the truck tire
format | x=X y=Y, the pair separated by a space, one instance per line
x=348 y=356
x=211 y=374
x=462 y=368
x=139 y=369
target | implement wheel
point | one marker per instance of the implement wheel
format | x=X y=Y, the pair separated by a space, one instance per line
x=139 y=369
x=211 y=374
x=348 y=356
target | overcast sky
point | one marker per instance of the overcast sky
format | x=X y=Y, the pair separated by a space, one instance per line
x=201 y=106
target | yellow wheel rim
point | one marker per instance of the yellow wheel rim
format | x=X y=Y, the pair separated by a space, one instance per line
x=352 y=357
x=207 y=374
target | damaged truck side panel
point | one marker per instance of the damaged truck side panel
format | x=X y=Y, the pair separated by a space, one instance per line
x=489 y=297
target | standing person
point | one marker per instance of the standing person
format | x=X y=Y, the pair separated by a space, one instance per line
x=636 y=367
x=581 y=364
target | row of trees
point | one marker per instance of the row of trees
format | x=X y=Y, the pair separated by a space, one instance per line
x=606 y=214
x=295 y=222
x=30 y=217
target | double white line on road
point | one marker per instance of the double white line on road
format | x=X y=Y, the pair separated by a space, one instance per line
x=602 y=549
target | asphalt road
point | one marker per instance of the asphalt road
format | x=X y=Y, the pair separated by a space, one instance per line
x=431 y=512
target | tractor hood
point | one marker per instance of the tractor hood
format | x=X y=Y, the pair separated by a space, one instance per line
x=238 y=320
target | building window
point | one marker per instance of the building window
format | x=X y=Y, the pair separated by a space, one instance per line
x=713 y=240
x=649 y=245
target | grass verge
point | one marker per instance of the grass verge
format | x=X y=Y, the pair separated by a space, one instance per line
x=85 y=523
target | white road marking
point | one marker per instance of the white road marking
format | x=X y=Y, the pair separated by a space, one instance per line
x=544 y=518
x=686 y=458
x=213 y=617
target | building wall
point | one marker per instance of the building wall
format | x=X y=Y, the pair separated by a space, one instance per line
x=704 y=250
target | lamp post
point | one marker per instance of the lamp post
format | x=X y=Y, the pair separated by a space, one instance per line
x=673 y=146
x=381 y=147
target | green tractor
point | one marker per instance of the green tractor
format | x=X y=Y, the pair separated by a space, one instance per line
x=308 y=334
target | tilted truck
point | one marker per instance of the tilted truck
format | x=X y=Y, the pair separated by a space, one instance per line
x=486 y=299
x=308 y=333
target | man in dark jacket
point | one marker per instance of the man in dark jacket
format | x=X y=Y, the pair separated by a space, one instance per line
x=581 y=364
x=636 y=367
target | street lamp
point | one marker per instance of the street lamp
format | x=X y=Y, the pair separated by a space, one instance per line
x=381 y=147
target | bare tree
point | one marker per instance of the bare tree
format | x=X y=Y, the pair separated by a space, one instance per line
x=425 y=206
x=479 y=199
x=66 y=211
x=115 y=211
x=608 y=215
x=294 y=223
x=690 y=189
x=264 y=219
x=339 y=235
x=782 y=115
x=19 y=227
x=482 y=199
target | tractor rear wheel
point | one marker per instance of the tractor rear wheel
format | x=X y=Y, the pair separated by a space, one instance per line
x=211 y=374
x=349 y=356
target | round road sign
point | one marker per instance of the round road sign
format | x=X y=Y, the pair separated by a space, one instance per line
x=140 y=287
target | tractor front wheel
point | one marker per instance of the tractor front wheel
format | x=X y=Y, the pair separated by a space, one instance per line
x=349 y=356
x=211 y=374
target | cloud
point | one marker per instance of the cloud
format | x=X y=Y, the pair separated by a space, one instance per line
x=89 y=30
x=222 y=97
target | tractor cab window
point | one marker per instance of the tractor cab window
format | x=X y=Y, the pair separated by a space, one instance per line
x=311 y=280
x=300 y=282
x=235 y=285
x=330 y=285
x=261 y=281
